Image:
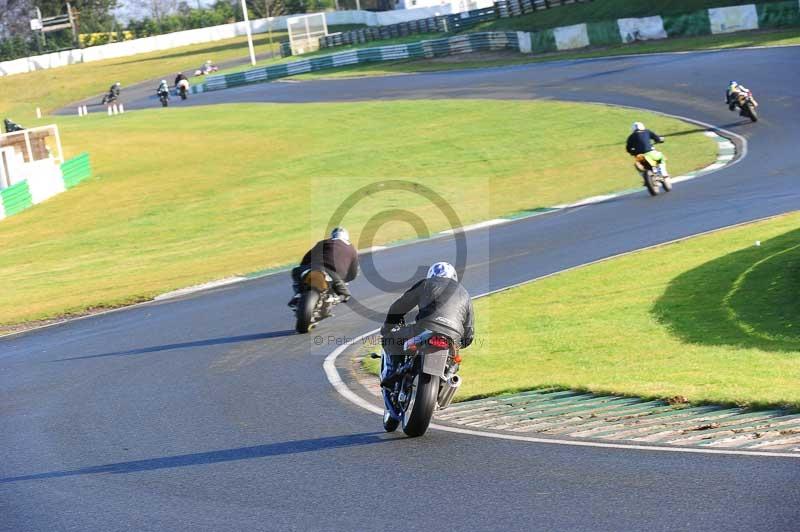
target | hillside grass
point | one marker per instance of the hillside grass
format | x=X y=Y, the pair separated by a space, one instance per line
x=240 y=188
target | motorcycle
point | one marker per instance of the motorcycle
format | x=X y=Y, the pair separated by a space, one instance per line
x=747 y=105
x=425 y=380
x=317 y=298
x=108 y=99
x=650 y=171
x=164 y=97
x=183 y=89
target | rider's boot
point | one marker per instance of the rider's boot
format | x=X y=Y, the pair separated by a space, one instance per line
x=296 y=297
x=388 y=371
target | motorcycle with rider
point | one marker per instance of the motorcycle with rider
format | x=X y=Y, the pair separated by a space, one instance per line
x=420 y=362
x=740 y=96
x=112 y=95
x=649 y=162
x=163 y=93
x=320 y=280
x=181 y=85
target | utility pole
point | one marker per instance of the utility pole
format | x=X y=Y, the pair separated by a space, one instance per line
x=73 y=22
x=249 y=34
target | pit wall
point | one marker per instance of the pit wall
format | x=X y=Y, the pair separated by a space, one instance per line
x=28 y=193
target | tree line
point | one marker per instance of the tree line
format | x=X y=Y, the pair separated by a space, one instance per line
x=159 y=17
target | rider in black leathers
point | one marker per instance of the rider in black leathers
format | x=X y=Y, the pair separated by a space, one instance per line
x=337 y=256
x=445 y=307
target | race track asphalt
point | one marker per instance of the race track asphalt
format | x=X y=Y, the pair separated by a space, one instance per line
x=208 y=413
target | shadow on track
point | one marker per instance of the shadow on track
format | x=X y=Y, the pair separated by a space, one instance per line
x=196 y=343
x=749 y=299
x=215 y=457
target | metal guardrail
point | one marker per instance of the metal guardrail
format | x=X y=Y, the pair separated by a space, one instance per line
x=465 y=43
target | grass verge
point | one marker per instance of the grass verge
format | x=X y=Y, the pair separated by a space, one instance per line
x=714 y=319
x=239 y=188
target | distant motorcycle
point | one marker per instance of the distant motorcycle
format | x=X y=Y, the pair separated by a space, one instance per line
x=183 y=89
x=426 y=379
x=317 y=298
x=164 y=97
x=650 y=171
x=108 y=99
x=747 y=105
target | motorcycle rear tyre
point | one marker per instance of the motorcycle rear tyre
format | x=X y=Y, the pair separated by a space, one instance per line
x=422 y=404
x=305 y=311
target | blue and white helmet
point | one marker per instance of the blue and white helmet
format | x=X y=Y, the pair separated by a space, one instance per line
x=637 y=126
x=443 y=269
x=340 y=233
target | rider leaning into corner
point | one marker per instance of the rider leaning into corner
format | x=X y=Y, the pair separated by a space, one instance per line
x=337 y=256
x=640 y=142
x=732 y=95
x=445 y=307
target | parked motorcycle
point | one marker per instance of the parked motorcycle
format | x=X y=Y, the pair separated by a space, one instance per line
x=427 y=378
x=317 y=298
x=747 y=105
x=183 y=89
x=650 y=171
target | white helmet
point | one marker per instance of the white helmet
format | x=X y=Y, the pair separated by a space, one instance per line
x=443 y=269
x=163 y=82
x=637 y=126
x=340 y=233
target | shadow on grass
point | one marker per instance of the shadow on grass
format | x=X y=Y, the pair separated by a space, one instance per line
x=214 y=457
x=183 y=345
x=747 y=299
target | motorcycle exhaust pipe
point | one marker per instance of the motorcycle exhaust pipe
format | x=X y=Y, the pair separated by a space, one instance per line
x=448 y=390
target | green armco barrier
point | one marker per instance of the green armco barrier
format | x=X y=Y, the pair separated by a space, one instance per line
x=76 y=170
x=687 y=25
x=431 y=48
x=543 y=41
x=603 y=33
x=778 y=15
x=16 y=198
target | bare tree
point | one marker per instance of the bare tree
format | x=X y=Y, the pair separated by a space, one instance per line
x=156 y=9
x=14 y=17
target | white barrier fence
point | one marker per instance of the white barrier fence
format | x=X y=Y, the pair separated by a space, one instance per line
x=210 y=34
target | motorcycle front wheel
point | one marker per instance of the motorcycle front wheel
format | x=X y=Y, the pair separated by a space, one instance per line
x=305 y=311
x=650 y=183
x=419 y=411
x=666 y=183
x=751 y=112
